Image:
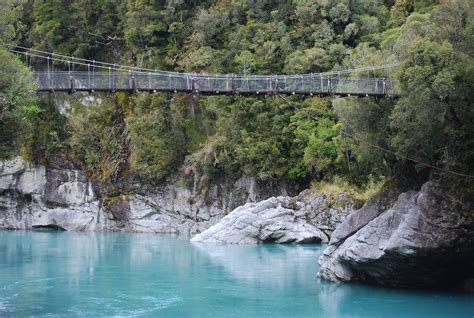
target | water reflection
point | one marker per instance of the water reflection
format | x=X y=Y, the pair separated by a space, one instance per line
x=353 y=300
x=94 y=274
x=274 y=265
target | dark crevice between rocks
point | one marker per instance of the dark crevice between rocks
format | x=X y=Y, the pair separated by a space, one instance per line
x=48 y=227
x=17 y=195
x=54 y=204
x=311 y=240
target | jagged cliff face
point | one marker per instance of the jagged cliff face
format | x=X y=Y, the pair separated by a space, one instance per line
x=423 y=239
x=34 y=196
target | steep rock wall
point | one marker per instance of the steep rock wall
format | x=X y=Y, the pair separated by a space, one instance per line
x=34 y=196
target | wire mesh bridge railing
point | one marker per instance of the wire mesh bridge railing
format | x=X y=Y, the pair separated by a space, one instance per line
x=114 y=81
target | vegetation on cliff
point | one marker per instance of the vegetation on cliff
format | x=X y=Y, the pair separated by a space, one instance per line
x=291 y=139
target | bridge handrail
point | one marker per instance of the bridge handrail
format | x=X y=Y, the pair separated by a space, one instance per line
x=213 y=76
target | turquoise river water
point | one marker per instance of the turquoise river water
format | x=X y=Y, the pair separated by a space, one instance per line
x=113 y=274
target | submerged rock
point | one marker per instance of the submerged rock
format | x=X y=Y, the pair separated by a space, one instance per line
x=307 y=218
x=424 y=239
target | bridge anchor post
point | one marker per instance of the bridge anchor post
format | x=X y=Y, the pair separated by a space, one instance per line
x=132 y=83
x=234 y=90
x=72 y=90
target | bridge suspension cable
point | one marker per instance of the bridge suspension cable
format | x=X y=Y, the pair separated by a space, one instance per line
x=118 y=67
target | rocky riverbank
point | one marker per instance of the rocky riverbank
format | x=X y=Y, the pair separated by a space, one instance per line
x=35 y=196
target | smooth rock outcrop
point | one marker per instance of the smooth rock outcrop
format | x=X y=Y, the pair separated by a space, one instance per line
x=35 y=196
x=307 y=218
x=425 y=240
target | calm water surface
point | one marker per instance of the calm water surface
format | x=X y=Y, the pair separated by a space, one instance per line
x=97 y=274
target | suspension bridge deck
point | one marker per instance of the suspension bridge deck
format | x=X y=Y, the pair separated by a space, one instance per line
x=319 y=85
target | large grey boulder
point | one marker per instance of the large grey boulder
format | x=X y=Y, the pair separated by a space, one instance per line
x=307 y=218
x=425 y=239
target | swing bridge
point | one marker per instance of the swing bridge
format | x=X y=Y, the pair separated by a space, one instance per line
x=60 y=73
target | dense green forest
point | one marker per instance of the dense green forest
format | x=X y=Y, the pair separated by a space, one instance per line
x=428 y=132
